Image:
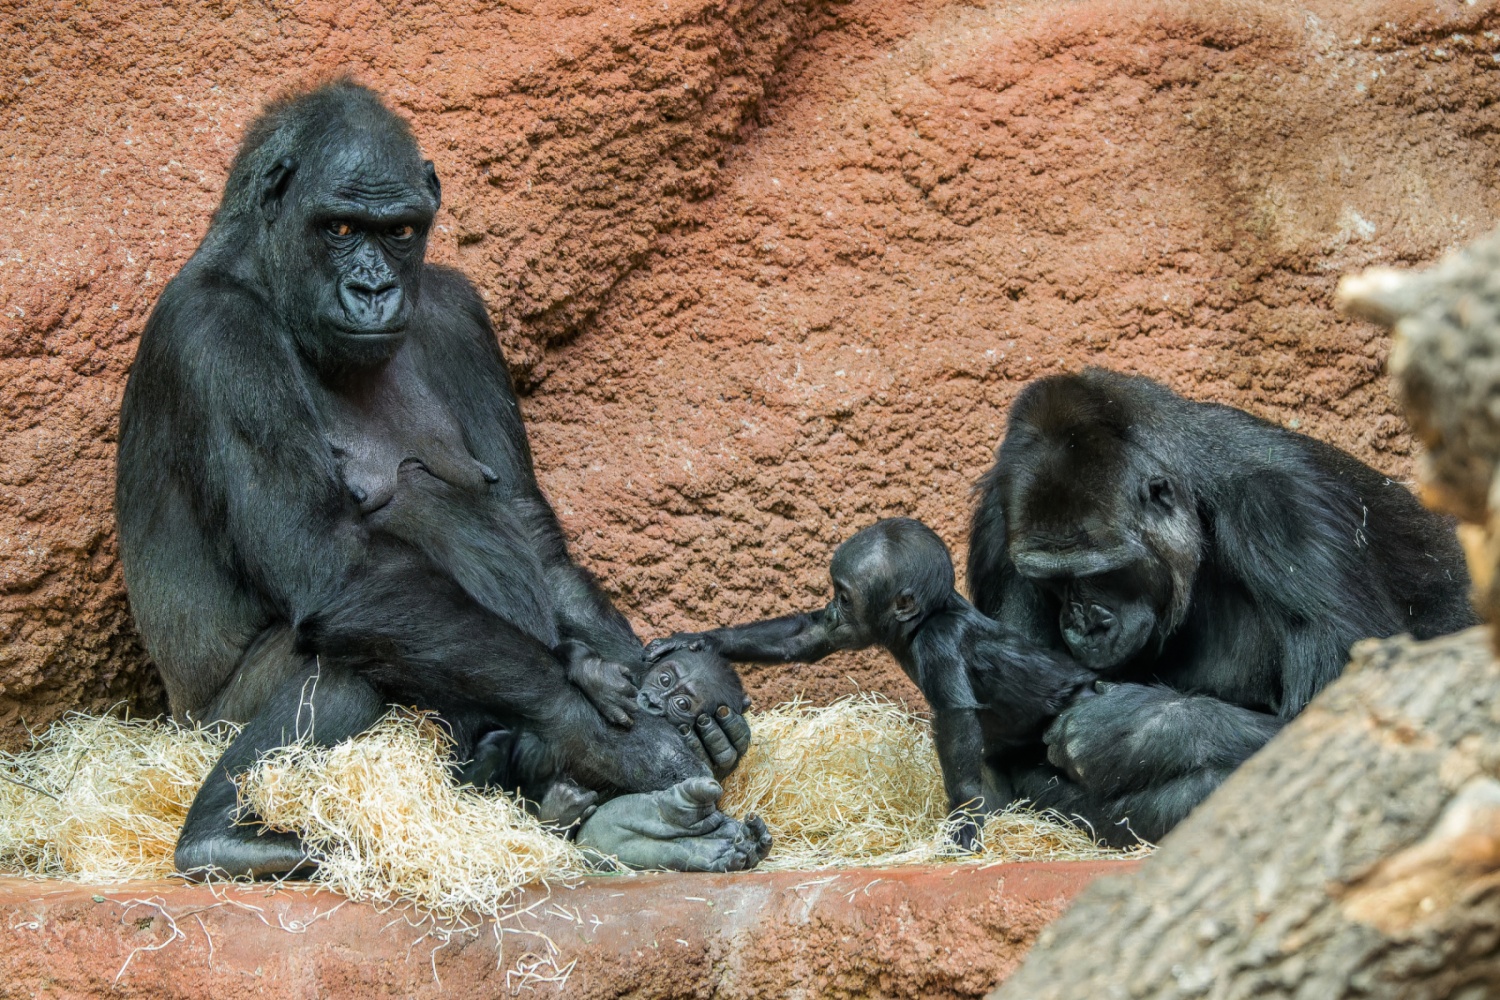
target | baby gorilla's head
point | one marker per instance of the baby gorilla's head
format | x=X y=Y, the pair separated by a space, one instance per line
x=887 y=578
x=689 y=683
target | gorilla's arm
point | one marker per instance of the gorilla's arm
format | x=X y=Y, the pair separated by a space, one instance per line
x=1135 y=738
x=801 y=638
x=465 y=359
x=1294 y=540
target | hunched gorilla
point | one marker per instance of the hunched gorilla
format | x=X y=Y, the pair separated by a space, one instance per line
x=326 y=503
x=991 y=692
x=1214 y=567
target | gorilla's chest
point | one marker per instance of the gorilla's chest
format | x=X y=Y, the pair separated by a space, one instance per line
x=393 y=438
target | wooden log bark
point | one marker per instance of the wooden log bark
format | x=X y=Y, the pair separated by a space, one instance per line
x=1358 y=855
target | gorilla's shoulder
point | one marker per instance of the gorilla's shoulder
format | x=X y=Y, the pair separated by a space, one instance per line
x=446 y=289
x=451 y=312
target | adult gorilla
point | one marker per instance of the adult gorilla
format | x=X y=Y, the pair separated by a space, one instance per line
x=326 y=503
x=1215 y=565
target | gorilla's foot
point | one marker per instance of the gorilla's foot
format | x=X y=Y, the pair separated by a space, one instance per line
x=566 y=805
x=676 y=829
x=232 y=854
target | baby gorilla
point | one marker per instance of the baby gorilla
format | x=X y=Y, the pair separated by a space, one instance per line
x=692 y=679
x=682 y=688
x=991 y=695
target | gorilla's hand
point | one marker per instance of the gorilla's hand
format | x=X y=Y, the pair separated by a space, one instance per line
x=1129 y=737
x=695 y=641
x=607 y=684
x=1119 y=740
x=722 y=739
x=677 y=829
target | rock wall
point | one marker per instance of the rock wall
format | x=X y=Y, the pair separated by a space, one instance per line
x=767 y=270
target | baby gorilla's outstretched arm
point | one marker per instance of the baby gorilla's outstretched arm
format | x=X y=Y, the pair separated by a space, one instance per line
x=802 y=638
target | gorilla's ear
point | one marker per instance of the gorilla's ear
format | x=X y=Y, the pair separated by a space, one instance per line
x=904 y=607
x=1158 y=490
x=433 y=182
x=273 y=187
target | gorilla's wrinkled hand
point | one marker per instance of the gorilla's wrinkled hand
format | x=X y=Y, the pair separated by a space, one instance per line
x=722 y=739
x=695 y=641
x=1121 y=739
x=608 y=685
x=676 y=829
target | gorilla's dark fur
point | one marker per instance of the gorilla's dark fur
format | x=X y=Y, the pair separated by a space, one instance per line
x=1215 y=564
x=326 y=499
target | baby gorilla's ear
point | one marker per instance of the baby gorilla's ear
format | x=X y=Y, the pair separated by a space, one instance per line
x=904 y=607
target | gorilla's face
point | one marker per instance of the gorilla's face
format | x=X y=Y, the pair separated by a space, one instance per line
x=1107 y=619
x=690 y=683
x=351 y=235
x=1120 y=573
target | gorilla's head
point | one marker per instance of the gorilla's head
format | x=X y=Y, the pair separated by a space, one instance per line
x=1099 y=516
x=331 y=197
x=688 y=683
x=887 y=578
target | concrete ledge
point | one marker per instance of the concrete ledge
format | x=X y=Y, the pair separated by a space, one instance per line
x=949 y=931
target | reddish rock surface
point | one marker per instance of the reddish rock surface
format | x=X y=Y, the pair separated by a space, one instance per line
x=850 y=934
x=768 y=269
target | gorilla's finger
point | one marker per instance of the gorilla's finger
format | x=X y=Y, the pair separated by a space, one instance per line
x=735 y=727
x=1104 y=687
x=763 y=839
x=616 y=714
x=689 y=803
x=721 y=753
x=657 y=648
x=696 y=854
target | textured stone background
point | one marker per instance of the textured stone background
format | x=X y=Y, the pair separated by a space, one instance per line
x=766 y=270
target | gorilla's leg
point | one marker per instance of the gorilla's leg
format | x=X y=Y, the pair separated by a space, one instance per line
x=1124 y=820
x=321 y=705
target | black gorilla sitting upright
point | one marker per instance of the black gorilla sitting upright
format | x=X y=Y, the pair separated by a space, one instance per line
x=326 y=502
x=1215 y=565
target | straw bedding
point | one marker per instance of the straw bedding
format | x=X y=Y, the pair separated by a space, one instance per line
x=99 y=799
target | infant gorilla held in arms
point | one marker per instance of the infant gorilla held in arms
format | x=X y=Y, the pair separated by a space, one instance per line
x=991 y=695
x=682 y=688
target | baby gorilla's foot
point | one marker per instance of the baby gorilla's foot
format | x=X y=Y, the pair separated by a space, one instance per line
x=566 y=805
x=676 y=829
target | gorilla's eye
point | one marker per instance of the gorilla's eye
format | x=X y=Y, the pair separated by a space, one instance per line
x=665 y=680
x=681 y=704
x=338 y=227
x=402 y=232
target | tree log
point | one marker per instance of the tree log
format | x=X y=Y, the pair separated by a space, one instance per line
x=1358 y=855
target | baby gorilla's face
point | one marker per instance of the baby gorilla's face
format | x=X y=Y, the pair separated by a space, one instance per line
x=690 y=683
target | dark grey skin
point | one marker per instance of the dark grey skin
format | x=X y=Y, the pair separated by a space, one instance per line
x=991 y=696
x=1214 y=566
x=327 y=504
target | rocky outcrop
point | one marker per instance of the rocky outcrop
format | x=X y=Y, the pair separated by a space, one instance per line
x=768 y=270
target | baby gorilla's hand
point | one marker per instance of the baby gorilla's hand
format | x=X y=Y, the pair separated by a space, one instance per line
x=695 y=641
x=607 y=684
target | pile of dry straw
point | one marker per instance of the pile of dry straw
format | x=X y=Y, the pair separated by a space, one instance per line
x=100 y=800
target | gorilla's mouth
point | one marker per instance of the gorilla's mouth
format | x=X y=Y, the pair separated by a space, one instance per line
x=1100 y=636
x=649 y=704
